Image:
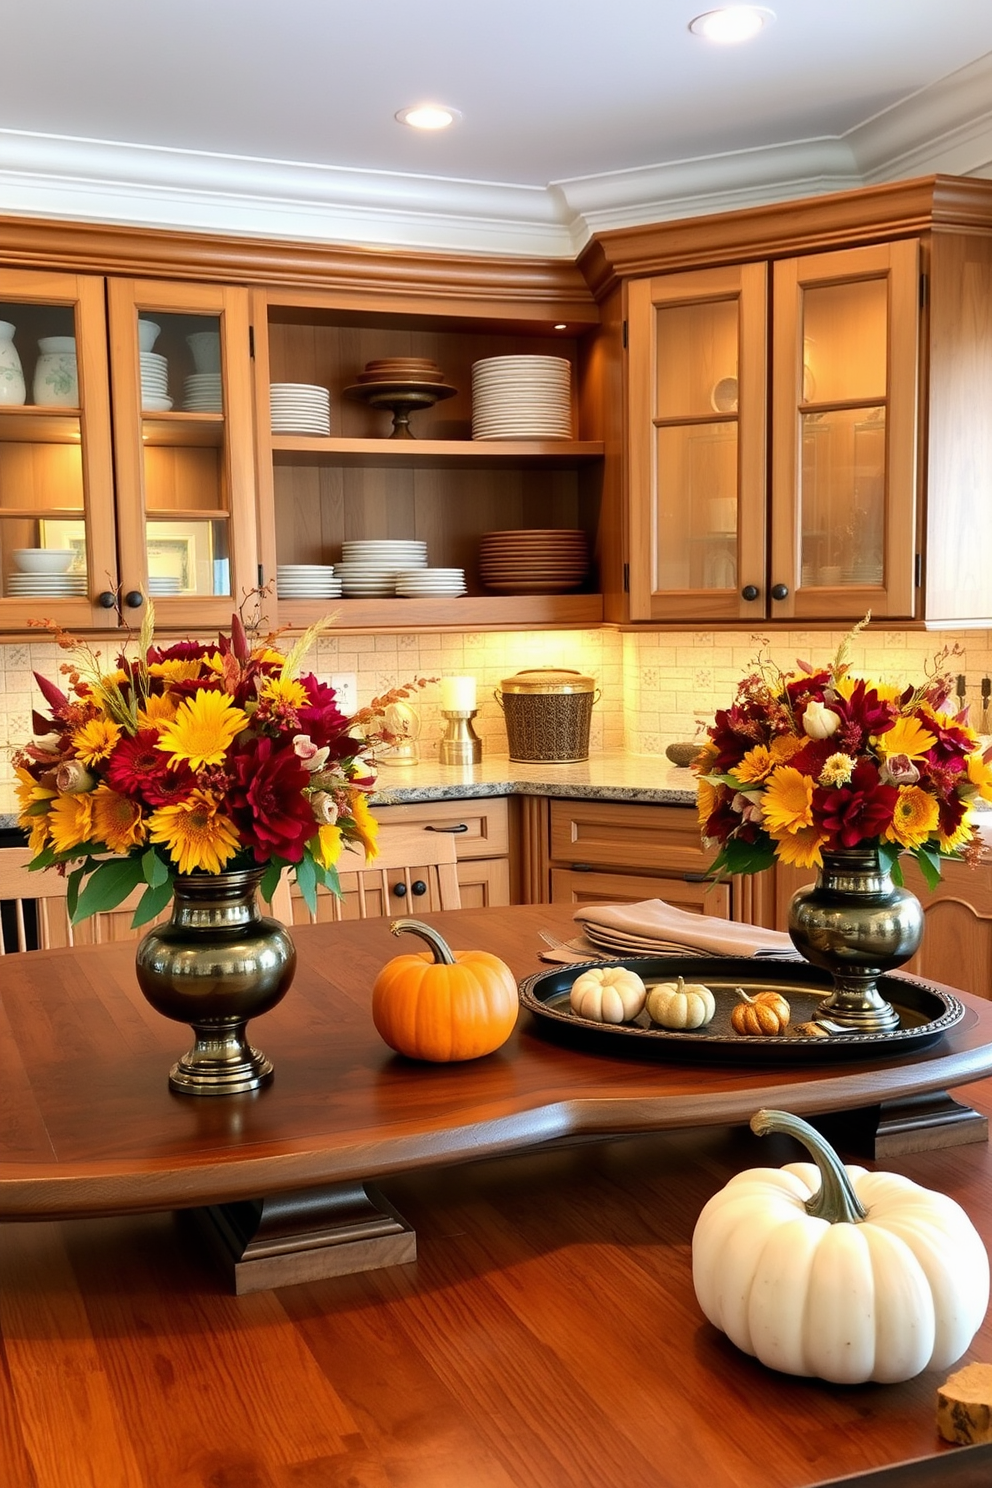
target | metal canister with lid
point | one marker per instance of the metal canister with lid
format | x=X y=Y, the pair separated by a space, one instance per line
x=547 y=711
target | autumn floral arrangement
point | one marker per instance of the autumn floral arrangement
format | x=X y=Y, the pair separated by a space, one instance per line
x=196 y=758
x=817 y=760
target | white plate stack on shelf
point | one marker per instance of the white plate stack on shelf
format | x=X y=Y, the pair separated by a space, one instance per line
x=427 y=583
x=203 y=393
x=307 y=581
x=162 y=584
x=369 y=566
x=300 y=408
x=42 y=573
x=522 y=397
x=533 y=560
x=154 y=382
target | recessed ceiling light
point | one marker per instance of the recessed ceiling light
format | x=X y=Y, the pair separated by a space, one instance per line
x=732 y=23
x=428 y=116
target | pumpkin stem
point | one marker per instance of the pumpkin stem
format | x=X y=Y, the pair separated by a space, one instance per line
x=442 y=954
x=836 y=1201
x=739 y=992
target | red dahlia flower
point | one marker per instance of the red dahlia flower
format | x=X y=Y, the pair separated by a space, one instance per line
x=267 y=804
x=857 y=812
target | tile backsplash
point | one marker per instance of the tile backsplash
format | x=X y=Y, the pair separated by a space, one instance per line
x=655 y=687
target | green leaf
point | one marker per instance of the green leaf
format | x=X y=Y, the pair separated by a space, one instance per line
x=109 y=884
x=736 y=856
x=37 y=808
x=154 y=870
x=155 y=898
x=888 y=855
x=929 y=861
x=270 y=879
x=306 y=879
x=72 y=884
x=331 y=880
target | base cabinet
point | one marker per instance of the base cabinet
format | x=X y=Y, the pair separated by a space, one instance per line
x=609 y=851
x=482 y=842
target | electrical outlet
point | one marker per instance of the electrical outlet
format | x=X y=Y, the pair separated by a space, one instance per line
x=345 y=685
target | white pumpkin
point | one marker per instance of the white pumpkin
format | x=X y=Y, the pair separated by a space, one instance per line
x=836 y=1272
x=607 y=994
x=680 y=1004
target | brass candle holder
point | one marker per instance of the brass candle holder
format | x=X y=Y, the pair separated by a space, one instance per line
x=460 y=744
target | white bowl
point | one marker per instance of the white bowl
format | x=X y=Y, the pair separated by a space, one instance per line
x=205 y=346
x=43 y=560
x=147 y=334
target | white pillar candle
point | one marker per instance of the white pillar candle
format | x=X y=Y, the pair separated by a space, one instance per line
x=457 y=694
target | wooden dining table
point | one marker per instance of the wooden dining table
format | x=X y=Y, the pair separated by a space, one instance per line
x=514 y=1308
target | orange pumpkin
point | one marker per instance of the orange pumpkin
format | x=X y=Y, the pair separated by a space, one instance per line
x=443 y=1005
x=764 y=1013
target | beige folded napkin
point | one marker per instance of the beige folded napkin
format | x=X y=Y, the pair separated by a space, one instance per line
x=653 y=922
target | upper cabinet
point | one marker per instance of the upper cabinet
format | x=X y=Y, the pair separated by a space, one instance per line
x=57 y=545
x=772 y=438
x=126 y=464
x=808 y=409
x=347 y=455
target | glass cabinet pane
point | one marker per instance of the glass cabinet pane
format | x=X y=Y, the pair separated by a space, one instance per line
x=184 y=454
x=843 y=461
x=697 y=506
x=42 y=487
x=697 y=359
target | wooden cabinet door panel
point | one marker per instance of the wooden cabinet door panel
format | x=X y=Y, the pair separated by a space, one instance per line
x=607 y=834
x=484 y=883
x=485 y=821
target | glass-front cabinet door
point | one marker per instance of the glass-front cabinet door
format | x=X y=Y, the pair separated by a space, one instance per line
x=844 y=433
x=57 y=546
x=181 y=378
x=697 y=401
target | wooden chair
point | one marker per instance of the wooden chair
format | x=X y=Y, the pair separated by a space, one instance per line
x=35 y=912
x=416 y=871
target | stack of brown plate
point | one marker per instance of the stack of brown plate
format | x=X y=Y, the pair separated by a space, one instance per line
x=401 y=369
x=533 y=560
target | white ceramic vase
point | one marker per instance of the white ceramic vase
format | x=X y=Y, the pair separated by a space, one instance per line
x=12 y=388
x=55 y=378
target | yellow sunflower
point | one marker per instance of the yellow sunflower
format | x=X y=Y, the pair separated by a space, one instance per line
x=366 y=826
x=159 y=708
x=952 y=841
x=95 y=740
x=176 y=669
x=906 y=736
x=756 y=765
x=801 y=849
x=196 y=833
x=117 y=820
x=70 y=821
x=707 y=799
x=915 y=817
x=202 y=730
x=787 y=804
x=979 y=775
x=284 y=690
x=326 y=846
x=29 y=792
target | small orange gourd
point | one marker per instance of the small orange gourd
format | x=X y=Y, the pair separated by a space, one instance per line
x=442 y=1005
x=764 y=1013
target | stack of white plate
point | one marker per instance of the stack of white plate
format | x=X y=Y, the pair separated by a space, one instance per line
x=369 y=565
x=203 y=393
x=300 y=408
x=533 y=560
x=45 y=586
x=163 y=584
x=155 y=382
x=421 y=583
x=307 y=581
x=522 y=397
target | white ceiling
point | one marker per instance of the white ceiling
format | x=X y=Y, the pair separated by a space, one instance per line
x=244 y=116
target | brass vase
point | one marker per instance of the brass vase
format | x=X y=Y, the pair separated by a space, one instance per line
x=855 y=923
x=217 y=963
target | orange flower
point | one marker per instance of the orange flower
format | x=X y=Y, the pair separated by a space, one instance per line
x=117 y=820
x=787 y=804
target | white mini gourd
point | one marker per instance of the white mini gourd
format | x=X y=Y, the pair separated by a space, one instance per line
x=680 y=1004
x=838 y=1273
x=607 y=994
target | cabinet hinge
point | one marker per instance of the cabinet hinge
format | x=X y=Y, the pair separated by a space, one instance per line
x=625 y=335
x=251 y=342
x=918 y=571
x=626 y=578
x=924 y=290
x=261 y=577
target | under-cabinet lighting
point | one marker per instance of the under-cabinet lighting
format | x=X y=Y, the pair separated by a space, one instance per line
x=561 y=326
x=428 y=116
x=732 y=23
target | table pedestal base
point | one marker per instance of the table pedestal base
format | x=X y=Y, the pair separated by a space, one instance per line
x=915 y=1123
x=306 y=1236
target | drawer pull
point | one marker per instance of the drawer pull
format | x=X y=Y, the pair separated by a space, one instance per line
x=696 y=878
x=582 y=868
x=461 y=827
x=399 y=890
x=418 y=888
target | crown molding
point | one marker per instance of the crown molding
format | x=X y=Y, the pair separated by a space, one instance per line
x=945 y=128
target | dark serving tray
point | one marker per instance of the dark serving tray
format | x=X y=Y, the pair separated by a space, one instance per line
x=925 y=1012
